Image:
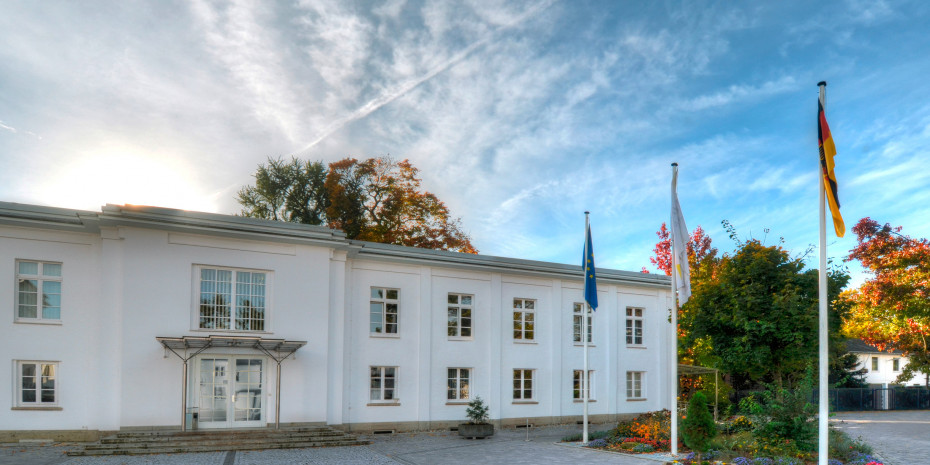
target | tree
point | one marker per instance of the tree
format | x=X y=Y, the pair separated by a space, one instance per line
x=286 y=191
x=757 y=314
x=698 y=428
x=378 y=199
x=891 y=310
x=701 y=254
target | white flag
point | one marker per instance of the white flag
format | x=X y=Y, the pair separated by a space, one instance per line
x=679 y=244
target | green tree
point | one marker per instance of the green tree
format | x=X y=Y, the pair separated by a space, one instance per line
x=757 y=314
x=891 y=310
x=698 y=428
x=286 y=191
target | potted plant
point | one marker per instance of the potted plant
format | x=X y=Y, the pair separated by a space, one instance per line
x=477 y=426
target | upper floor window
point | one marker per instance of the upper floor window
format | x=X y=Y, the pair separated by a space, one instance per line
x=36 y=384
x=459 y=316
x=634 y=326
x=383 y=310
x=38 y=290
x=524 y=319
x=577 y=317
x=232 y=299
x=874 y=363
x=896 y=364
x=459 y=384
x=576 y=385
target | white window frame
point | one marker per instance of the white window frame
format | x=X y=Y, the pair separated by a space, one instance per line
x=578 y=309
x=455 y=319
x=522 y=317
x=197 y=292
x=18 y=388
x=874 y=364
x=523 y=377
x=576 y=385
x=382 y=376
x=385 y=302
x=635 y=316
x=896 y=364
x=635 y=385
x=41 y=278
x=454 y=384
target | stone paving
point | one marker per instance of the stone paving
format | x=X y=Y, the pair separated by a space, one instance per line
x=900 y=437
x=508 y=446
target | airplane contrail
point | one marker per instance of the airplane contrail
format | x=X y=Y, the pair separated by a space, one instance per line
x=411 y=84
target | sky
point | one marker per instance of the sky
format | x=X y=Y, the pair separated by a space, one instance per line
x=520 y=115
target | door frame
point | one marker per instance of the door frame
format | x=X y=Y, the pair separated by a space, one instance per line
x=230 y=422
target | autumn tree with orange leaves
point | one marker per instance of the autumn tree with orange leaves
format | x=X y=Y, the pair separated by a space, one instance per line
x=378 y=200
x=891 y=310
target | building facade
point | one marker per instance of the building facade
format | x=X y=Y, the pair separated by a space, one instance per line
x=134 y=317
x=881 y=368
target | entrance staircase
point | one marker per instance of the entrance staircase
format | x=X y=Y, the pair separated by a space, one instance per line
x=175 y=442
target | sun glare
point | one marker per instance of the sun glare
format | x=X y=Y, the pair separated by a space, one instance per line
x=120 y=175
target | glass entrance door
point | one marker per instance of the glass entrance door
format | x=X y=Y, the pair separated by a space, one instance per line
x=231 y=392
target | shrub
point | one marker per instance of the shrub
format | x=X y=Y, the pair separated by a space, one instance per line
x=785 y=416
x=597 y=443
x=644 y=448
x=477 y=412
x=698 y=428
x=629 y=445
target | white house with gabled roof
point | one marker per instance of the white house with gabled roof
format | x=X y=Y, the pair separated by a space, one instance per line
x=141 y=317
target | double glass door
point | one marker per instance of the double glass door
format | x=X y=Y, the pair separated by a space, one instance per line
x=231 y=392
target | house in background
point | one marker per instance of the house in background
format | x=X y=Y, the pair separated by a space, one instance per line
x=880 y=367
x=138 y=317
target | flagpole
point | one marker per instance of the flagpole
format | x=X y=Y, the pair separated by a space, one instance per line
x=674 y=355
x=823 y=449
x=584 y=336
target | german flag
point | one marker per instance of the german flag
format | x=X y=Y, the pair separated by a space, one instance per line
x=827 y=152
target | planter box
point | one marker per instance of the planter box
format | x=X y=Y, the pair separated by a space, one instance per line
x=476 y=431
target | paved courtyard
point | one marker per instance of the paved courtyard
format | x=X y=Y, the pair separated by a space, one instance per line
x=900 y=437
x=507 y=446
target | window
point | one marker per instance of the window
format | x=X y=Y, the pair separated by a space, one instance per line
x=634 y=326
x=874 y=363
x=522 y=384
x=896 y=364
x=576 y=384
x=634 y=385
x=34 y=280
x=577 y=315
x=383 y=384
x=459 y=316
x=383 y=308
x=37 y=384
x=524 y=319
x=232 y=299
x=459 y=384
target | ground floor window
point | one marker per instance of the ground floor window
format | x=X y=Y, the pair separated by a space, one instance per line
x=634 y=384
x=37 y=384
x=459 y=385
x=576 y=385
x=383 y=384
x=522 y=384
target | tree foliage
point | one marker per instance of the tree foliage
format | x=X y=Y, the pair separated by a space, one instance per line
x=891 y=310
x=698 y=428
x=756 y=314
x=701 y=254
x=378 y=199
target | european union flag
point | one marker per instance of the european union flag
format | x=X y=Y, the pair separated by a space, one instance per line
x=590 y=281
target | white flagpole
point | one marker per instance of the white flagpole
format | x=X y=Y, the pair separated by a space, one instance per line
x=674 y=355
x=584 y=336
x=823 y=449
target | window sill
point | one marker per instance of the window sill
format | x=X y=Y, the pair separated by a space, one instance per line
x=387 y=336
x=579 y=401
x=36 y=321
x=524 y=341
x=457 y=402
x=526 y=402
x=229 y=331
x=47 y=409
x=630 y=346
x=581 y=344
x=383 y=404
x=637 y=399
x=459 y=338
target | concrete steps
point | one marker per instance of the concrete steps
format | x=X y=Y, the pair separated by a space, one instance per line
x=175 y=442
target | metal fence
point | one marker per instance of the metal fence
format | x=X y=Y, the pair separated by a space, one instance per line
x=855 y=399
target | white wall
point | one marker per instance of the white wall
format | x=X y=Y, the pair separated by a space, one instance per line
x=885 y=373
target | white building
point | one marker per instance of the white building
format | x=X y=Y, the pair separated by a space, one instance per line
x=881 y=368
x=386 y=337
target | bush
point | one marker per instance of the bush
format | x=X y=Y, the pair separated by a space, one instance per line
x=644 y=448
x=591 y=436
x=698 y=427
x=784 y=418
x=477 y=412
x=845 y=448
x=597 y=443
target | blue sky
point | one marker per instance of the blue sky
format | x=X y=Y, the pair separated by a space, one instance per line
x=521 y=115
